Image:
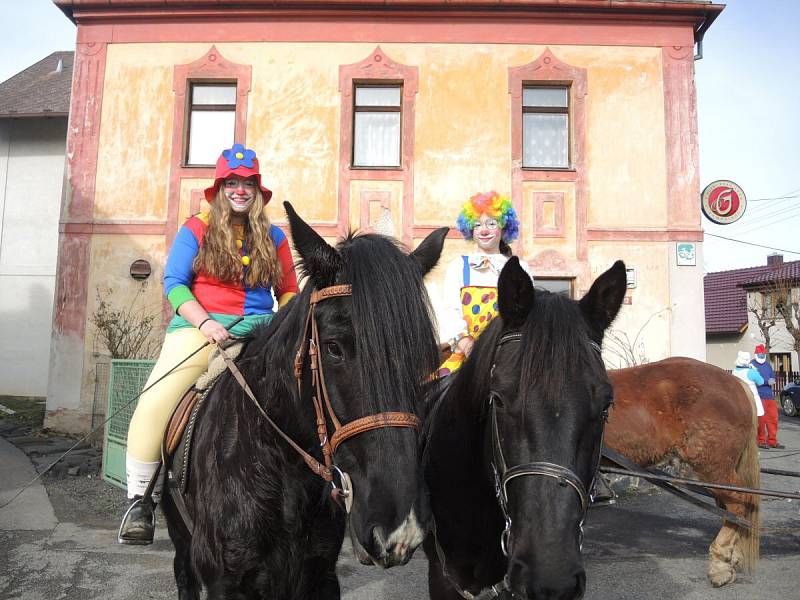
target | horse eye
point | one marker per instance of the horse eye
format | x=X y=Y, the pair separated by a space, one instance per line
x=334 y=350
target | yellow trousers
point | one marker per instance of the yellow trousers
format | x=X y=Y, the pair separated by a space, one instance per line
x=147 y=425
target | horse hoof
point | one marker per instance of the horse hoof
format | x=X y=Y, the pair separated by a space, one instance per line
x=720 y=574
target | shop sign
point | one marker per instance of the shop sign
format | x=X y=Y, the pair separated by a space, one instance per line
x=723 y=202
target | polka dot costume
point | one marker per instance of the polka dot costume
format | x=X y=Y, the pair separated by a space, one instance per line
x=479 y=307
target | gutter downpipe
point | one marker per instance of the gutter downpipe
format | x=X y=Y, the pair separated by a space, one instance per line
x=698 y=37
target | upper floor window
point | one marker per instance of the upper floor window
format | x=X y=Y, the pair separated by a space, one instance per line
x=545 y=127
x=211 y=122
x=555 y=285
x=377 y=125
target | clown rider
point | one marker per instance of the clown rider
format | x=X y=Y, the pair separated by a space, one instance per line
x=470 y=285
x=224 y=266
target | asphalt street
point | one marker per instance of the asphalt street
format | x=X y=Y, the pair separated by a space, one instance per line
x=648 y=545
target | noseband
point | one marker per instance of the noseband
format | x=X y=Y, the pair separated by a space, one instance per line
x=309 y=347
x=503 y=474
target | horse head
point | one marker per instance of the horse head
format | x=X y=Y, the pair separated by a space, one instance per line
x=376 y=346
x=548 y=400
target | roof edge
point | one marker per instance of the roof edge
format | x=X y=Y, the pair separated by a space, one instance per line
x=78 y=11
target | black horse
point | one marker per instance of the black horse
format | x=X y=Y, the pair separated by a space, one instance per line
x=265 y=525
x=513 y=444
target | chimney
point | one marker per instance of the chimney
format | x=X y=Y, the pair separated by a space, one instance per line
x=774 y=260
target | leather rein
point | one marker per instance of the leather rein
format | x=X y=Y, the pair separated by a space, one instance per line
x=503 y=475
x=309 y=348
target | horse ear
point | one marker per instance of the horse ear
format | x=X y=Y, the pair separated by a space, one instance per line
x=428 y=252
x=514 y=293
x=319 y=261
x=601 y=303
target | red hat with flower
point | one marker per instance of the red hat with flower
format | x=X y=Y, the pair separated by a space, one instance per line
x=760 y=349
x=236 y=160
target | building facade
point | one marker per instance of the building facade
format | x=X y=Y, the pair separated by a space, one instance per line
x=584 y=114
x=33 y=131
x=744 y=308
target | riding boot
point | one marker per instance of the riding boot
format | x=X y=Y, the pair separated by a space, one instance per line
x=139 y=523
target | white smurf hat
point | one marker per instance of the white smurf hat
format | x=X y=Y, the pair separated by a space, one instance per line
x=742 y=359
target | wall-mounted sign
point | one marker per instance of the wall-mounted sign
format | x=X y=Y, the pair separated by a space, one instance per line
x=685 y=253
x=723 y=202
x=630 y=277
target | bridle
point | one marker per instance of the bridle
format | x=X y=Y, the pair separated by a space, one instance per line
x=342 y=492
x=503 y=475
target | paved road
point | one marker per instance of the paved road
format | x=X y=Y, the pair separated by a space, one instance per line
x=649 y=545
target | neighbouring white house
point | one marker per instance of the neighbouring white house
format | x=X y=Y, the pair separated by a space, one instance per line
x=34 y=105
x=750 y=306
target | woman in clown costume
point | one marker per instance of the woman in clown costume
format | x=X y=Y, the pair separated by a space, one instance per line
x=224 y=264
x=470 y=285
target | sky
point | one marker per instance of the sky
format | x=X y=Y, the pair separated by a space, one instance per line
x=748 y=91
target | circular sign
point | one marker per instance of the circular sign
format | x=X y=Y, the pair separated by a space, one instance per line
x=723 y=202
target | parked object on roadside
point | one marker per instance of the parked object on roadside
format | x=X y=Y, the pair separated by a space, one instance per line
x=790 y=399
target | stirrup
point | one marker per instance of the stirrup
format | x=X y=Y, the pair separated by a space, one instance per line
x=145 y=538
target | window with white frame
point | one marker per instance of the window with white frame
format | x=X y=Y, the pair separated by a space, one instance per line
x=377 y=125
x=545 y=127
x=210 y=122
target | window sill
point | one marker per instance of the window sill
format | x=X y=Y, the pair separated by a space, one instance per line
x=359 y=168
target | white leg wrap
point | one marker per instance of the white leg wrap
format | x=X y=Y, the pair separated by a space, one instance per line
x=139 y=474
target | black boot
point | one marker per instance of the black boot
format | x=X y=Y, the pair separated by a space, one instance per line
x=139 y=523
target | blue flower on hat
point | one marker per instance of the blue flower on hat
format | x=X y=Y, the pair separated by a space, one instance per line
x=239 y=156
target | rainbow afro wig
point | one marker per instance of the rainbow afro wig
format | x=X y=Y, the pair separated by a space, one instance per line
x=496 y=207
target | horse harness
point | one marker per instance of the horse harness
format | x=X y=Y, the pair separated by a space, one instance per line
x=342 y=492
x=503 y=474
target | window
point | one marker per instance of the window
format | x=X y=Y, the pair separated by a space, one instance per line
x=211 y=121
x=376 y=125
x=545 y=127
x=556 y=286
x=770 y=303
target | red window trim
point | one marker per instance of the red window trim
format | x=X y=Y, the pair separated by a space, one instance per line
x=379 y=68
x=548 y=70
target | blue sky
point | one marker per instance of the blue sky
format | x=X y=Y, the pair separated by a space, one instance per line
x=748 y=90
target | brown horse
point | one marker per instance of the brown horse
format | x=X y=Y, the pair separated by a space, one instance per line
x=702 y=420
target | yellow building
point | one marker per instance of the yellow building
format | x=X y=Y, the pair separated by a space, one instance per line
x=583 y=112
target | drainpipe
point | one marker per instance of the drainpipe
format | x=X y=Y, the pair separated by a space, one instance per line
x=698 y=37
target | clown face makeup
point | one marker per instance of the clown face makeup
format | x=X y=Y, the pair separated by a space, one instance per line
x=487 y=234
x=761 y=358
x=240 y=192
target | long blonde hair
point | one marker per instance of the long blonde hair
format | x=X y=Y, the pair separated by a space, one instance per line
x=219 y=256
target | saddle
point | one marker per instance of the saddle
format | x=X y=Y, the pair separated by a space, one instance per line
x=176 y=447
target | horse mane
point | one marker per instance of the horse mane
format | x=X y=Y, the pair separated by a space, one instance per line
x=555 y=340
x=391 y=330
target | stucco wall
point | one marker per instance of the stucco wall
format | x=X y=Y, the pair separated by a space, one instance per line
x=31 y=173
x=721 y=349
x=462 y=144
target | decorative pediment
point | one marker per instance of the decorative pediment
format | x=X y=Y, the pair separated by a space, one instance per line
x=378 y=66
x=549 y=261
x=213 y=66
x=548 y=68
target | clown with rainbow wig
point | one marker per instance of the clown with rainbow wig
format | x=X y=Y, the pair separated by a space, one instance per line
x=470 y=285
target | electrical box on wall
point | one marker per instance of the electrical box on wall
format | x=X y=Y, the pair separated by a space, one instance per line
x=630 y=275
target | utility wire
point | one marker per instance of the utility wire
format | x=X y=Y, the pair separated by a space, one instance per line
x=752 y=244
